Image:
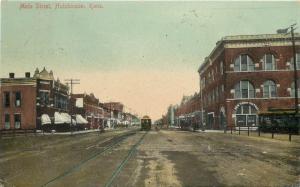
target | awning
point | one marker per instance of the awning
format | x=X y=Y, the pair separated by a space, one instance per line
x=67 y=118
x=45 y=119
x=80 y=119
x=61 y=118
x=58 y=118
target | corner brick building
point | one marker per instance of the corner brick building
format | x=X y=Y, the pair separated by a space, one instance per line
x=33 y=102
x=245 y=75
x=18 y=102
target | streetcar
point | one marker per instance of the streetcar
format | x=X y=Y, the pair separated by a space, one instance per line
x=146 y=123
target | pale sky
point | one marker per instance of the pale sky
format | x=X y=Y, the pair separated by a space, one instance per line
x=143 y=54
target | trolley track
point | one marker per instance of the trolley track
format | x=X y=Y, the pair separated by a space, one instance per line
x=107 y=145
x=119 y=168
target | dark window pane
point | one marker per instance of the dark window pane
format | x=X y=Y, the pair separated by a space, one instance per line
x=244 y=63
x=246 y=109
x=6 y=99
x=17 y=121
x=239 y=110
x=7 y=121
x=244 y=93
x=18 y=99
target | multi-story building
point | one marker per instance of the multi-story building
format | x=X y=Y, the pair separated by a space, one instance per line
x=52 y=102
x=245 y=75
x=33 y=102
x=17 y=102
x=88 y=106
x=116 y=113
x=188 y=113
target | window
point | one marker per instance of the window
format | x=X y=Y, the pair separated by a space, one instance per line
x=269 y=89
x=297 y=62
x=293 y=88
x=209 y=77
x=269 y=62
x=17 y=121
x=6 y=99
x=44 y=98
x=221 y=68
x=244 y=89
x=6 y=121
x=18 y=99
x=243 y=63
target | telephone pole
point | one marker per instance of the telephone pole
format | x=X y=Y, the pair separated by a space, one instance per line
x=71 y=82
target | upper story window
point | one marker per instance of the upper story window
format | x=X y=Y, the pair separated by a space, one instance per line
x=243 y=63
x=44 y=98
x=244 y=89
x=221 y=68
x=293 y=88
x=269 y=62
x=270 y=89
x=209 y=77
x=6 y=99
x=297 y=62
x=17 y=99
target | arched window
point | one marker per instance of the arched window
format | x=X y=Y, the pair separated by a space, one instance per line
x=269 y=62
x=244 y=89
x=246 y=115
x=246 y=109
x=269 y=89
x=243 y=63
x=297 y=62
x=293 y=88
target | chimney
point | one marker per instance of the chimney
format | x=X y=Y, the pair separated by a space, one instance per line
x=27 y=74
x=11 y=75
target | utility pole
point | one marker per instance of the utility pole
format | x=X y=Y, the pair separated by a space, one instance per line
x=295 y=70
x=71 y=82
x=285 y=31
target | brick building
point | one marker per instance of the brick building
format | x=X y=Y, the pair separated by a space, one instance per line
x=188 y=113
x=37 y=102
x=17 y=102
x=88 y=107
x=115 y=110
x=245 y=75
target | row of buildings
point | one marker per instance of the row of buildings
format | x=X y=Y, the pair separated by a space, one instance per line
x=45 y=103
x=242 y=77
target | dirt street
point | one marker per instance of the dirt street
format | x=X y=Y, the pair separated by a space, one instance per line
x=155 y=158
